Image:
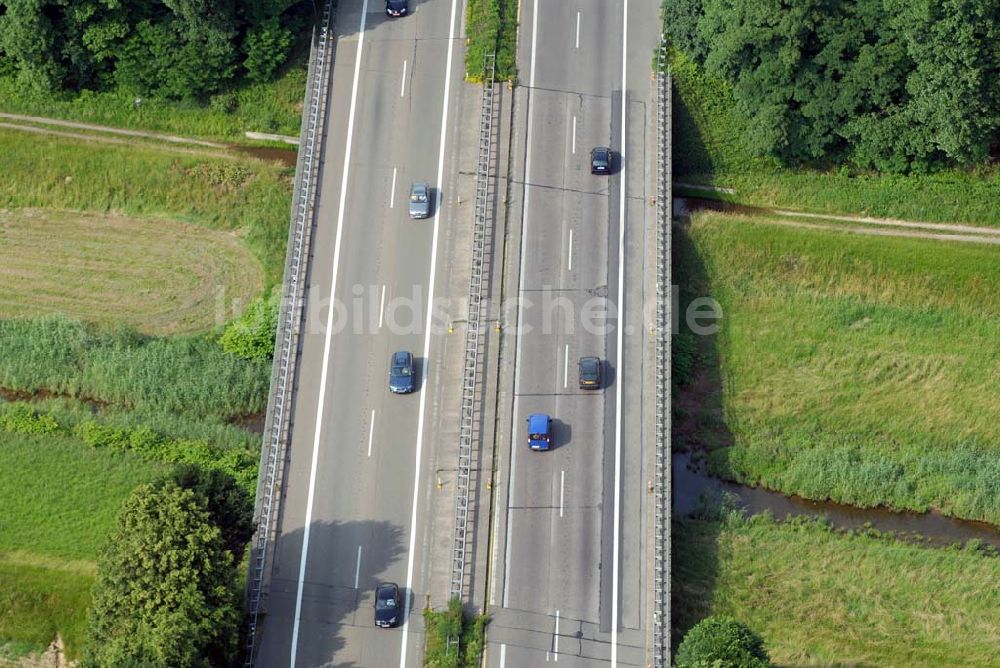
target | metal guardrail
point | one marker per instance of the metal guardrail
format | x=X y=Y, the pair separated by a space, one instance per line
x=279 y=406
x=472 y=329
x=662 y=473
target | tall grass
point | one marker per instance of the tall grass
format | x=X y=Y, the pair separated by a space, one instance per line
x=821 y=598
x=708 y=149
x=184 y=375
x=852 y=368
x=248 y=197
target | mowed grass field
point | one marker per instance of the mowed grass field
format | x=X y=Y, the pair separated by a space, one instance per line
x=859 y=369
x=58 y=501
x=157 y=276
x=822 y=598
x=247 y=198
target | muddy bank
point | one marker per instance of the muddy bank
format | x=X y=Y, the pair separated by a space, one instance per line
x=691 y=484
x=254 y=423
x=286 y=157
x=6 y=394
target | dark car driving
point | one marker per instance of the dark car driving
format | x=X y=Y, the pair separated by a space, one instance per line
x=395 y=7
x=600 y=160
x=387 y=605
x=590 y=373
x=401 y=377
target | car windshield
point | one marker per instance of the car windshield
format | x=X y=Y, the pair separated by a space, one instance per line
x=538 y=437
x=386 y=604
x=401 y=370
x=418 y=197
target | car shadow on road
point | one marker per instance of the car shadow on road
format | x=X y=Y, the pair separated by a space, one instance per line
x=331 y=603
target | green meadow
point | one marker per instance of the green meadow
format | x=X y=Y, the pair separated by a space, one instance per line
x=820 y=597
x=853 y=368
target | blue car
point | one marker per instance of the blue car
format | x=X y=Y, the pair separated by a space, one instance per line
x=402 y=380
x=539 y=431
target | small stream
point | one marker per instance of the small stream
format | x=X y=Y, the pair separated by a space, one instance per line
x=690 y=483
x=286 y=156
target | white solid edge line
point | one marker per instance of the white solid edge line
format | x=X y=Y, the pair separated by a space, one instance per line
x=329 y=338
x=402 y=84
x=357 y=569
x=427 y=338
x=392 y=190
x=520 y=305
x=496 y=523
x=621 y=333
x=371 y=432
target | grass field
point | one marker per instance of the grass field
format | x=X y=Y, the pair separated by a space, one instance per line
x=249 y=199
x=822 y=598
x=853 y=368
x=158 y=276
x=708 y=149
x=58 y=501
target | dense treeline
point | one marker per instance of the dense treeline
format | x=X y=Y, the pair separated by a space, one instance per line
x=895 y=85
x=167 y=591
x=170 y=48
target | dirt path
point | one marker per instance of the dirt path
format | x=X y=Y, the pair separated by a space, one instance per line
x=192 y=150
x=110 y=130
x=885 y=227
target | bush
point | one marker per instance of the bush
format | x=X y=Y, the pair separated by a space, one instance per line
x=721 y=642
x=251 y=336
x=439 y=627
x=21 y=419
x=491 y=26
x=449 y=624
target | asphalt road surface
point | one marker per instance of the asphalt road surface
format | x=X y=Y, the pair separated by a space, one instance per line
x=350 y=517
x=569 y=559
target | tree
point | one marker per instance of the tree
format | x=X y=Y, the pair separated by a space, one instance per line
x=166 y=590
x=266 y=48
x=229 y=506
x=721 y=642
x=30 y=39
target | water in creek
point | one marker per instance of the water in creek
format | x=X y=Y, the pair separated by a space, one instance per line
x=691 y=483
